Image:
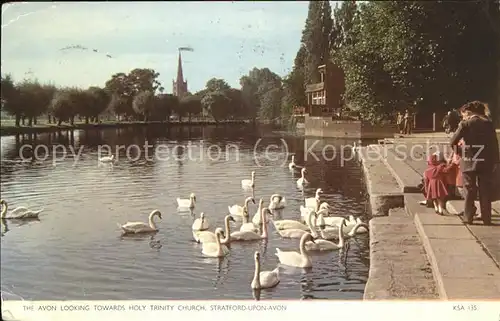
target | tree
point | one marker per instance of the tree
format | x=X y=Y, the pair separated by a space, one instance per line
x=255 y=86
x=166 y=104
x=215 y=84
x=271 y=104
x=119 y=105
x=237 y=107
x=33 y=99
x=83 y=103
x=119 y=87
x=420 y=55
x=144 y=104
x=100 y=101
x=9 y=93
x=316 y=38
x=127 y=86
x=216 y=103
x=144 y=80
x=64 y=105
x=345 y=19
x=191 y=105
x=249 y=95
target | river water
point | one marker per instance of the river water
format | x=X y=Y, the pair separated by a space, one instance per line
x=76 y=251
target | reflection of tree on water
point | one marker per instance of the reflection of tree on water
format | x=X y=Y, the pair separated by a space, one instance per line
x=179 y=154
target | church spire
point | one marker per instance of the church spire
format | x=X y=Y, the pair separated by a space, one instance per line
x=180 y=85
x=180 y=77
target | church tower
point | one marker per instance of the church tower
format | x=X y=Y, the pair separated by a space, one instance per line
x=179 y=85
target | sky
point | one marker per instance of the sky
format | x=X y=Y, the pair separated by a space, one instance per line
x=228 y=38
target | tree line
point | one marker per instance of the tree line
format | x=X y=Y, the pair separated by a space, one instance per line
x=138 y=96
x=425 y=56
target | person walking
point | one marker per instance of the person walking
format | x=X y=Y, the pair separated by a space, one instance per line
x=480 y=156
x=407 y=122
x=399 y=122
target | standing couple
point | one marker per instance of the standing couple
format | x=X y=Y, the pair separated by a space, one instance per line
x=475 y=141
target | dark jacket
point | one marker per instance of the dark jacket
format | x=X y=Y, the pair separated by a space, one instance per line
x=453 y=119
x=480 y=151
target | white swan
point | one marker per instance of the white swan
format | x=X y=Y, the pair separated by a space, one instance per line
x=292 y=164
x=107 y=159
x=187 y=203
x=326 y=206
x=201 y=223
x=249 y=183
x=264 y=279
x=250 y=235
x=237 y=210
x=292 y=224
x=215 y=249
x=207 y=236
x=276 y=202
x=210 y=237
x=247 y=225
x=331 y=233
x=19 y=213
x=359 y=228
x=293 y=258
x=325 y=245
x=334 y=221
x=312 y=202
x=298 y=233
x=256 y=218
x=141 y=227
x=302 y=180
x=305 y=212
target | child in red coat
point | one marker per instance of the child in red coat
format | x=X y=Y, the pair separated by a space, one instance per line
x=435 y=179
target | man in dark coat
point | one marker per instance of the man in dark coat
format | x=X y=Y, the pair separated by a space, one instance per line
x=446 y=122
x=453 y=120
x=480 y=155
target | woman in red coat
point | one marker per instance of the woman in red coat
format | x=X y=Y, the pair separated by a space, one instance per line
x=435 y=181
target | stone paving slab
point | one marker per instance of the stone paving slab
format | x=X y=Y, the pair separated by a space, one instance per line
x=380 y=184
x=398 y=265
x=489 y=236
x=460 y=287
x=408 y=180
x=456 y=258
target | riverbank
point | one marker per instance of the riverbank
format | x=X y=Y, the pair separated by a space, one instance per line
x=409 y=242
x=6 y=130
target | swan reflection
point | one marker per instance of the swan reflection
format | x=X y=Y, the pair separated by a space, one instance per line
x=16 y=222
x=256 y=294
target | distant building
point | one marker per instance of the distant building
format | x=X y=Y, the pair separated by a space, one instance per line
x=325 y=98
x=179 y=86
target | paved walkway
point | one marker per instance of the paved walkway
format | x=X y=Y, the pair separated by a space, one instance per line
x=464 y=259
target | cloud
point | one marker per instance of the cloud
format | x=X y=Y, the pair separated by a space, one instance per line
x=228 y=38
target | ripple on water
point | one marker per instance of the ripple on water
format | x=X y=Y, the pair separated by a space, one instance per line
x=75 y=251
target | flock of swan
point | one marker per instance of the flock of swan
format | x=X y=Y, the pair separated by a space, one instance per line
x=317 y=229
